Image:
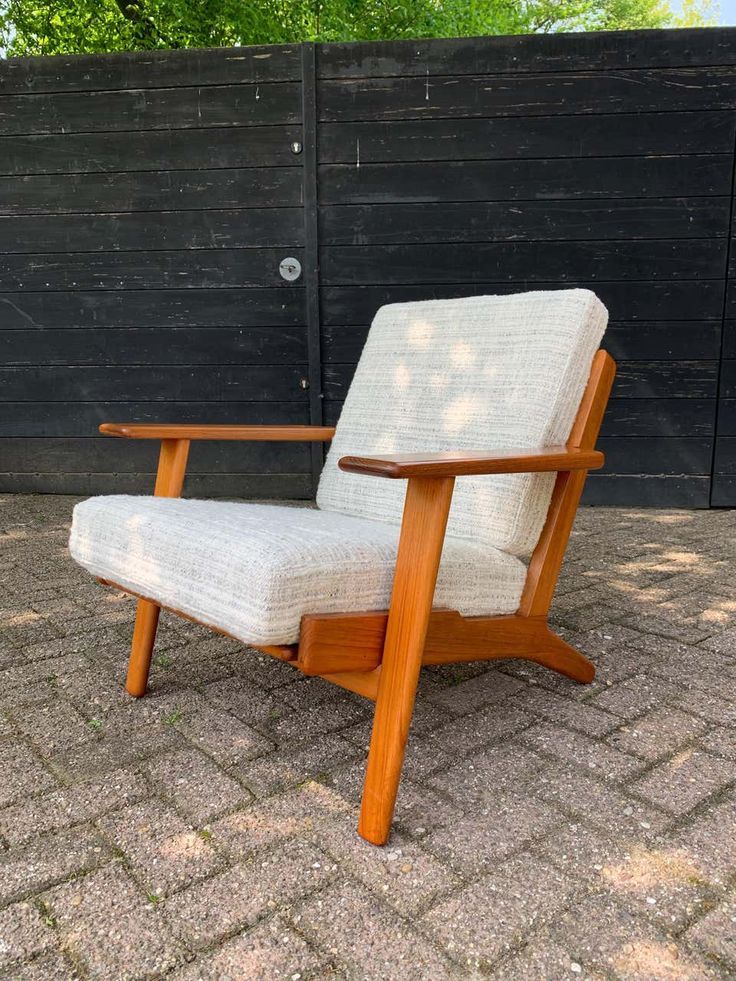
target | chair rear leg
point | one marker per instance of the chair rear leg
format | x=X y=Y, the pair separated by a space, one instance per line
x=144 y=635
x=420 y=546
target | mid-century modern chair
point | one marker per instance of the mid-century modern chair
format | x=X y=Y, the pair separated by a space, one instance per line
x=475 y=419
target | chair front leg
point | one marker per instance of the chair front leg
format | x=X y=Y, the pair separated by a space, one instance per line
x=172 y=468
x=420 y=548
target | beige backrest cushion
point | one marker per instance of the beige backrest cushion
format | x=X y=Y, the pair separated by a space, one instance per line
x=476 y=373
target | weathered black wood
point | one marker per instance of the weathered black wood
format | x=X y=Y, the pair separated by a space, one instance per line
x=259 y=486
x=156 y=108
x=648 y=490
x=518 y=180
x=725 y=458
x=82 y=153
x=83 y=418
x=153 y=383
x=521 y=221
x=640 y=301
x=723 y=494
x=154 y=308
x=528 y=53
x=668 y=341
x=190 y=268
x=140 y=231
x=154 y=345
x=105 y=454
x=657 y=454
x=728 y=379
x=150 y=69
x=528 y=262
x=526 y=136
x=561 y=93
x=179 y=190
x=726 y=417
x=660 y=417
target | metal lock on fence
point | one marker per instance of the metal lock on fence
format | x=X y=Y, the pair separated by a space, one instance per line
x=290 y=269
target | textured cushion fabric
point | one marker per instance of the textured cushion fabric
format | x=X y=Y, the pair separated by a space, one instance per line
x=477 y=373
x=253 y=570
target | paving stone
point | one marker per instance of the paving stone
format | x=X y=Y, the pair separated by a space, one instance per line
x=585 y=718
x=294 y=728
x=293 y=765
x=48 y=967
x=481 y=839
x=22 y=934
x=196 y=785
x=53 y=726
x=270 y=950
x=47 y=860
x=710 y=707
x=592 y=756
x=23 y=773
x=657 y=734
x=633 y=697
x=496 y=770
x=164 y=852
x=356 y=929
x=720 y=741
x=105 y=921
x=244 y=699
x=495 y=722
x=683 y=781
x=475 y=693
x=602 y=935
x=716 y=933
x=65 y=806
x=543 y=958
x=245 y=893
x=523 y=894
x=709 y=842
x=223 y=737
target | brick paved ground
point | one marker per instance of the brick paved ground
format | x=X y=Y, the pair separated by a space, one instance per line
x=208 y=832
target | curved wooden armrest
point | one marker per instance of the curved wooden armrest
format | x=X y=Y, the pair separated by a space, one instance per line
x=134 y=430
x=464 y=464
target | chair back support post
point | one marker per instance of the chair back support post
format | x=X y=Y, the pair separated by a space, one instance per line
x=546 y=560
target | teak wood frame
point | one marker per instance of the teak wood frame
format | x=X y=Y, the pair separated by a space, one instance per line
x=380 y=654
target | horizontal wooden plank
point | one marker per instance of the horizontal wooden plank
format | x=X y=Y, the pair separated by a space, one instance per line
x=151 y=69
x=515 y=137
x=151 y=109
x=727 y=417
x=83 y=153
x=627 y=490
x=728 y=378
x=517 y=180
x=107 y=454
x=725 y=455
x=179 y=190
x=523 y=221
x=528 y=53
x=659 y=417
x=140 y=231
x=151 y=383
x=521 y=262
x=188 y=268
x=656 y=454
x=651 y=302
x=724 y=491
x=154 y=345
x=234 y=485
x=729 y=336
x=282 y=307
x=83 y=418
x=634 y=379
x=561 y=93
x=667 y=341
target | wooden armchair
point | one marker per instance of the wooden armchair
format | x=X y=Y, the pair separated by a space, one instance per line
x=373 y=584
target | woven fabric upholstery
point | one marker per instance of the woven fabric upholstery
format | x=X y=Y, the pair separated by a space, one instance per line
x=476 y=373
x=253 y=570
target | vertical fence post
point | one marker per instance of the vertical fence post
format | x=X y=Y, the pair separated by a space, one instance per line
x=311 y=250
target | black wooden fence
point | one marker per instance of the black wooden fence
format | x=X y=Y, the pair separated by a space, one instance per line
x=146 y=201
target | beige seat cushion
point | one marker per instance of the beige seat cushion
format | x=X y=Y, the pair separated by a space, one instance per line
x=253 y=570
x=482 y=372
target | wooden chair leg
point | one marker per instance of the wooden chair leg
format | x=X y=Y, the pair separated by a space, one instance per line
x=420 y=547
x=144 y=635
x=172 y=465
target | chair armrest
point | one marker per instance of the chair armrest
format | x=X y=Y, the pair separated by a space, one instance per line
x=134 y=430
x=464 y=464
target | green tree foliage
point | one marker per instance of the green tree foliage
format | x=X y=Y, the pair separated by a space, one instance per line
x=32 y=27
